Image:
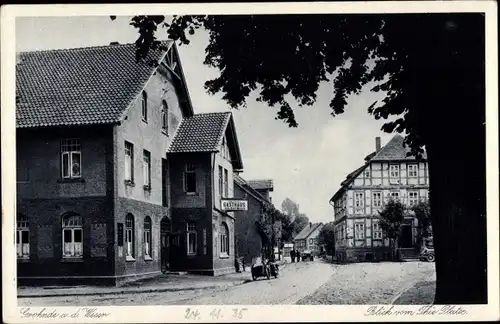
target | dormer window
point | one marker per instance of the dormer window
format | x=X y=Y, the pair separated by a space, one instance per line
x=144 y=106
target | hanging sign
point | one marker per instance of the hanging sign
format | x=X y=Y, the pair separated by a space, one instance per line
x=234 y=204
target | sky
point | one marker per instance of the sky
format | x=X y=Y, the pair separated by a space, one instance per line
x=307 y=164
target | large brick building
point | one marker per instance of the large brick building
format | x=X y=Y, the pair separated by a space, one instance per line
x=249 y=240
x=387 y=173
x=117 y=178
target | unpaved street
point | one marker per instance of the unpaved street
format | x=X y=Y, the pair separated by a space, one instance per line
x=312 y=283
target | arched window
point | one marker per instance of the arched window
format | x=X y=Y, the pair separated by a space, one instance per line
x=129 y=235
x=147 y=237
x=72 y=232
x=164 y=116
x=224 y=240
x=23 y=237
x=144 y=106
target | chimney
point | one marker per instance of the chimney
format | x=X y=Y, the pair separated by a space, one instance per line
x=114 y=43
x=377 y=144
x=310 y=224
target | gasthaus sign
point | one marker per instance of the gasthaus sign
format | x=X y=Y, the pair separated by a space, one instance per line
x=234 y=204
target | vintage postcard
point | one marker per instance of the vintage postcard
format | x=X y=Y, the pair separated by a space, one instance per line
x=259 y=162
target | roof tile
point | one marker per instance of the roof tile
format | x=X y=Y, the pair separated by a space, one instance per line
x=91 y=85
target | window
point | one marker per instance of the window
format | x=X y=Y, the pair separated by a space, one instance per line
x=226 y=184
x=190 y=178
x=412 y=198
x=144 y=106
x=164 y=117
x=377 y=199
x=191 y=238
x=129 y=162
x=147 y=238
x=394 y=195
x=342 y=233
x=394 y=171
x=71 y=157
x=311 y=241
x=358 y=199
x=129 y=236
x=377 y=231
x=359 y=229
x=221 y=182
x=72 y=236
x=224 y=240
x=23 y=237
x=412 y=170
x=146 y=168
x=367 y=173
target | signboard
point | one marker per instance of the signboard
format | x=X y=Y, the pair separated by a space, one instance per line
x=234 y=204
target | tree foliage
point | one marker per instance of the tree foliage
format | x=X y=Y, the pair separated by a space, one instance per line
x=326 y=237
x=294 y=220
x=391 y=217
x=431 y=69
x=422 y=212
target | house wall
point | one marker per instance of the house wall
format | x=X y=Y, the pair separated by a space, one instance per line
x=134 y=198
x=44 y=197
x=312 y=246
x=248 y=240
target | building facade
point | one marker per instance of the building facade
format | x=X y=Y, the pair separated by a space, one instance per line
x=307 y=239
x=387 y=173
x=249 y=240
x=106 y=193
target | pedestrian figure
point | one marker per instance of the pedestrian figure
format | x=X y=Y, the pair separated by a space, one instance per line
x=292 y=255
x=297 y=255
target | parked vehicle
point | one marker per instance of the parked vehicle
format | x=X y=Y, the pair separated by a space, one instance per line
x=427 y=254
x=307 y=256
x=260 y=269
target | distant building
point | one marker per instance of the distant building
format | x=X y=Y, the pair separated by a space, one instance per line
x=387 y=172
x=117 y=178
x=263 y=186
x=249 y=241
x=307 y=239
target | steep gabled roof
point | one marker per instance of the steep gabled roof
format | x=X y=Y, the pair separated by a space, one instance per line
x=395 y=151
x=81 y=86
x=392 y=151
x=204 y=133
x=243 y=184
x=306 y=231
x=262 y=184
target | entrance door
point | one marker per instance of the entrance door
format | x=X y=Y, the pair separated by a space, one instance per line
x=406 y=237
x=165 y=244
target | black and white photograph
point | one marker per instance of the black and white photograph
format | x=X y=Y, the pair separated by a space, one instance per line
x=250 y=162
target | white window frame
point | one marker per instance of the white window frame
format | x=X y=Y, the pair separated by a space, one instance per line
x=70 y=149
x=129 y=161
x=377 y=199
x=394 y=171
x=224 y=240
x=394 y=195
x=22 y=248
x=144 y=106
x=190 y=169
x=377 y=231
x=72 y=223
x=359 y=230
x=191 y=232
x=413 y=170
x=226 y=183
x=359 y=197
x=130 y=236
x=412 y=200
x=146 y=167
x=147 y=238
x=221 y=181
x=164 y=116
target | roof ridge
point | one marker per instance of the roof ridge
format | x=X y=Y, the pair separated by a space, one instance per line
x=71 y=49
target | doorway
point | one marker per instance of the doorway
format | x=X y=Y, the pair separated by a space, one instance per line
x=406 y=239
x=165 y=230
